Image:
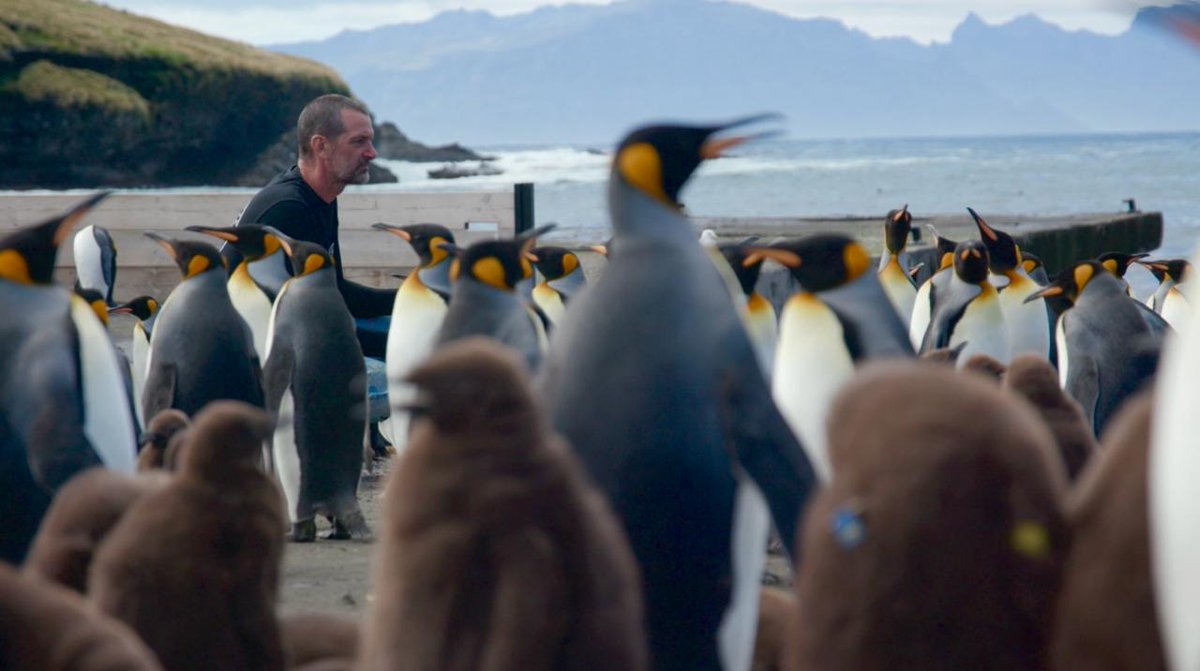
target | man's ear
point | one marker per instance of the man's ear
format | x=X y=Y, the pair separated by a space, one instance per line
x=318 y=144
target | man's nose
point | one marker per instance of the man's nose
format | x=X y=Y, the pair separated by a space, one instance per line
x=370 y=153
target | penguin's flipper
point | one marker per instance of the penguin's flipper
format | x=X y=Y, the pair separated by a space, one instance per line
x=1083 y=384
x=47 y=415
x=108 y=260
x=159 y=392
x=764 y=444
x=946 y=317
x=276 y=376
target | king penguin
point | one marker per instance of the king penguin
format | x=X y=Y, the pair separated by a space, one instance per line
x=892 y=274
x=486 y=300
x=95 y=300
x=145 y=309
x=968 y=311
x=62 y=402
x=762 y=324
x=1174 y=500
x=562 y=279
x=417 y=315
x=1028 y=323
x=1169 y=299
x=1034 y=268
x=201 y=350
x=839 y=317
x=1106 y=349
x=95 y=261
x=654 y=381
x=316 y=384
x=927 y=294
x=261 y=257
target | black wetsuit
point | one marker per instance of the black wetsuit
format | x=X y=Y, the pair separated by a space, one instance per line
x=289 y=204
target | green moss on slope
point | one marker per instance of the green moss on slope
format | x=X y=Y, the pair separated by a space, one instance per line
x=45 y=82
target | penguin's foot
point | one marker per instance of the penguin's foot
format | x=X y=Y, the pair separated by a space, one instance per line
x=304 y=531
x=379 y=445
x=352 y=526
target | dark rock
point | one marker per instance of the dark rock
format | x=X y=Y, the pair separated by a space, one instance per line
x=282 y=155
x=394 y=145
x=456 y=171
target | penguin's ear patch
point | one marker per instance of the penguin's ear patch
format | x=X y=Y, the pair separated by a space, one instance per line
x=569 y=263
x=641 y=166
x=197 y=265
x=1083 y=275
x=848 y=526
x=14 y=267
x=490 y=271
x=313 y=263
x=857 y=260
x=455 y=269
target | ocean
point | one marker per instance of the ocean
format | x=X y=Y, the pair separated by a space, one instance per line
x=1037 y=175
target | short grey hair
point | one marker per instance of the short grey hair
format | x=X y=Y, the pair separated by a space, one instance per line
x=323 y=116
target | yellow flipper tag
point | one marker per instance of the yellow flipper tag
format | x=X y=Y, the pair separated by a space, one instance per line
x=1030 y=539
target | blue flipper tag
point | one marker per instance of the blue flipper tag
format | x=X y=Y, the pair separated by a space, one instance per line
x=849 y=528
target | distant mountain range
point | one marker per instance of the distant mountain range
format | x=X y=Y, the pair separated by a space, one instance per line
x=585 y=73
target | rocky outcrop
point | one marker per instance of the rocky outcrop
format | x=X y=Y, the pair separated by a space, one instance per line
x=395 y=145
x=282 y=155
x=92 y=96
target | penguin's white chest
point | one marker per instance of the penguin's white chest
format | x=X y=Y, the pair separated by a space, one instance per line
x=811 y=365
x=983 y=329
x=751 y=527
x=899 y=290
x=254 y=307
x=89 y=263
x=1028 y=323
x=763 y=327
x=107 y=422
x=1175 y=309
x=417 y=316
x=1064 y=357
x=550 y=301
x=139 y=355
x=922 y=312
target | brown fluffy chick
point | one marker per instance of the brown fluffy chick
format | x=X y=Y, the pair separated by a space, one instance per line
x=497 y=552
x=776 y=613
x=1107 y=618
x=47 y=627
x=313 y=639
x=81 y=515
x=155 y=440
x=939 y=542
x=194 y=567
x=1032 y=377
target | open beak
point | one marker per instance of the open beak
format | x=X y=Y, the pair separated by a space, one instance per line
x=716 y=147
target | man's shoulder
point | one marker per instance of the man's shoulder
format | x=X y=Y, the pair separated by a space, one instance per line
x=283 y=194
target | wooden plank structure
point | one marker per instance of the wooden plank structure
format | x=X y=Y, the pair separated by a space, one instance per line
x=371 y=256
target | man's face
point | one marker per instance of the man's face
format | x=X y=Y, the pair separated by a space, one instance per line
x=352 y=151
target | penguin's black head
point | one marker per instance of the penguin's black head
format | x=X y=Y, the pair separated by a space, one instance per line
x=27 y=255
x=192 y=256
x=971 y=262
x=1175 y=269
x=1003 y=254
x=475 y=386
x=1030 y=262
x=142 y=307
x=555 y=262
x=1067 y=285
x=497 y=263
x=820 y=262
x=426 y=240
x=252 y=241
x=746 y=263
x=307 y=257
x=945 y=249
x=658 y=160
x=896 y=227
x=1117 y=262
x=95 y=301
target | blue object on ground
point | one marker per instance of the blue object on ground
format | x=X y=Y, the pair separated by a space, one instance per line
x=377 y=399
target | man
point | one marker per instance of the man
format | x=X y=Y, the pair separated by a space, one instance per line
x=335 y=138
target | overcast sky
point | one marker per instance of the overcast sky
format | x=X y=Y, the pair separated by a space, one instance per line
x=275 y=21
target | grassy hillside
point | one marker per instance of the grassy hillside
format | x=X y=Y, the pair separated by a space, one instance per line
x=91 y=95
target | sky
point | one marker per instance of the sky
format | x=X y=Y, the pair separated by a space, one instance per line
x=276 y=21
